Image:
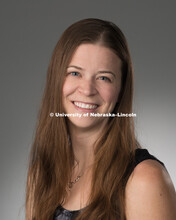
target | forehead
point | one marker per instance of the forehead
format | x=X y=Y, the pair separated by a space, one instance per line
x=96 y=55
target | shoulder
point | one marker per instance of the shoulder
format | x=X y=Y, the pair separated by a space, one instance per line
x=150 y=193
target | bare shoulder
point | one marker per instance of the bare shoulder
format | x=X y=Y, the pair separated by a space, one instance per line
x=150 y=193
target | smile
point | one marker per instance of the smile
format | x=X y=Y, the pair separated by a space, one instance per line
x=85 y=106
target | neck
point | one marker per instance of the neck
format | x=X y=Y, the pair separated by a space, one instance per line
x=83 y=145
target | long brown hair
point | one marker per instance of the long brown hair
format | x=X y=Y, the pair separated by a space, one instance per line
x=52 y=157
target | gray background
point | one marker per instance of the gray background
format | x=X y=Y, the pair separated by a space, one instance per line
x=29 y=32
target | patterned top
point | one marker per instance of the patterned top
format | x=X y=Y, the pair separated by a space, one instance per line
x=64 y=214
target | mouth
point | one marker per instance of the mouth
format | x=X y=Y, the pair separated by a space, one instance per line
x=84 y=105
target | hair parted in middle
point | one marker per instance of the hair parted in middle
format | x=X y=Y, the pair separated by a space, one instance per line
x=52 y=156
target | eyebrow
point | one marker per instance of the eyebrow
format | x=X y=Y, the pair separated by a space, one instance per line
x=101 y=71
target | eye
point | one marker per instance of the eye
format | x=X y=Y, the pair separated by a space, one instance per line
x=74 y=73
x=104 y=78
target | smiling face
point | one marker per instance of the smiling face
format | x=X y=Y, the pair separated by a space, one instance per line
x=92 y=85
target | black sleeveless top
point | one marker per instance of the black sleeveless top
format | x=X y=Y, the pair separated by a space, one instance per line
x=64 y=214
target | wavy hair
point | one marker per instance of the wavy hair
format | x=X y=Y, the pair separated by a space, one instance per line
x=52 y=157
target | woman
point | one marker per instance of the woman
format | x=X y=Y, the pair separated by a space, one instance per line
x=88 y=167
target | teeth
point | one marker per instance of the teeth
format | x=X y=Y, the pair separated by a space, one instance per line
x=83 y=105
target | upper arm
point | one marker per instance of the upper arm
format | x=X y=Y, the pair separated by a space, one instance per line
x=150 y=194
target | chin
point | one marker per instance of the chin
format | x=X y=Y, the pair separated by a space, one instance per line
x=87 y=123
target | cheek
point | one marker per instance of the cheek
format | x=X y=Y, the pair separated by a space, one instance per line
x=110 y=94
x=68 y=88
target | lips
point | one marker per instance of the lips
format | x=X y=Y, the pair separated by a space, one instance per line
x=83 y=105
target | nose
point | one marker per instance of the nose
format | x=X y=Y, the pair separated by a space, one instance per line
x=87 y=87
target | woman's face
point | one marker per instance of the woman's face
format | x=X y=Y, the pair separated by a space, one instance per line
x=92 y=85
